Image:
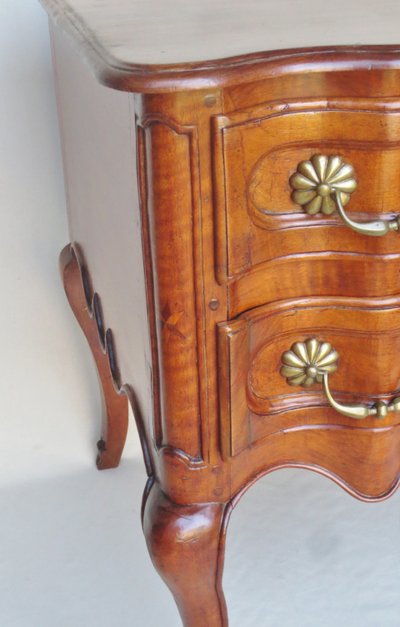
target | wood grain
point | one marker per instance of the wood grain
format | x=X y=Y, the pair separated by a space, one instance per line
x=258 y=401
x=169 y=32
x=98 y=142
x=198 y=271
x=187 y=544
x=259 y=148
x=171 y=211
x=164 y=45
x=324 y=273
x=115 y=406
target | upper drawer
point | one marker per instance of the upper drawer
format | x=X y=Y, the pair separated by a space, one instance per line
x=258 y=149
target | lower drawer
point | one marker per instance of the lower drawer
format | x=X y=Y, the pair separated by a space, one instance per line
x=257 y=401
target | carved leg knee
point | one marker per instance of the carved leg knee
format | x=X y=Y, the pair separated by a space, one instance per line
x=115 y=405
x=186 y=544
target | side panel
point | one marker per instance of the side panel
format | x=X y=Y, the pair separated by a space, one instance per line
x=97 y=127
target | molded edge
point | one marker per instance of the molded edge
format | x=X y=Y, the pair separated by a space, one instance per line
x=218 y=73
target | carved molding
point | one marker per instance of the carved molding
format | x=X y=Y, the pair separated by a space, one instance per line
x=256 y=150
x=175 y=314
x=256 y=402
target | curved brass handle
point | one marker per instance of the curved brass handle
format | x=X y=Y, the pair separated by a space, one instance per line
x=312 y=362
x=374 y=228
x=324 y=184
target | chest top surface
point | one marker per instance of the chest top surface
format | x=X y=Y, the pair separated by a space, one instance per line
x=150 y=39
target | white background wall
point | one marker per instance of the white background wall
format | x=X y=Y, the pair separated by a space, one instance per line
x=301 y=553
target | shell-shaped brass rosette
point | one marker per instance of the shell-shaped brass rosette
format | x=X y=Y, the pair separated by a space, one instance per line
x=315 y=182
x=307 y=362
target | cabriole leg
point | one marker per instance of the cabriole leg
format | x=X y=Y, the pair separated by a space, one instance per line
x=187 y=544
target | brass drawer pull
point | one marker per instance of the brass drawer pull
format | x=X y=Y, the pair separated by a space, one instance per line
x=312 y=362
x=324 y=184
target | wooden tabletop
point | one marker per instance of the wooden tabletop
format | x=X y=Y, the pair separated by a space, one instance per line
x=151 y=37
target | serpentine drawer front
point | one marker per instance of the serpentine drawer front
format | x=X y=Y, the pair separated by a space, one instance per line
x=256 y=400
x=234 y=255
x=265 y=224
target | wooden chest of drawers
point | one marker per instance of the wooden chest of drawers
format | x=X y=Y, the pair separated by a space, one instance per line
x=235 y=255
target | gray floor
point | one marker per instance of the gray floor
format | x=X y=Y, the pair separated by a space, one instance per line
x=301 y=553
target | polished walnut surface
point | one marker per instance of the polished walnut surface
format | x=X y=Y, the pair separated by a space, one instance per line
x=149 y=44
x=192 y=270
